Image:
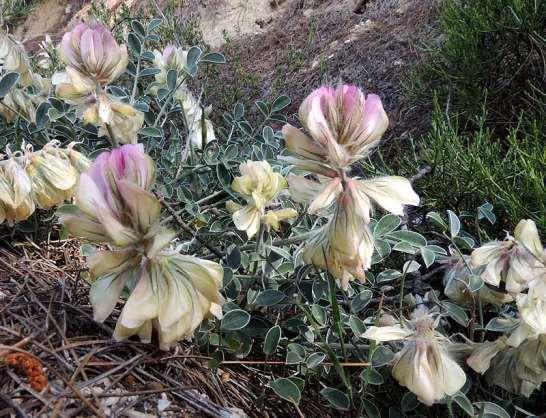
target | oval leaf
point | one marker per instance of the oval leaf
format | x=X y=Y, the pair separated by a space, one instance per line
x=286 y=389
x=235 y=319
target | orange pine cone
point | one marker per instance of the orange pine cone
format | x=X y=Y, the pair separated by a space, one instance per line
x=30 y=367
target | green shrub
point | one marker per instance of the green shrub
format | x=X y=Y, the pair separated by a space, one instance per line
x=491 y=51
x=471 y=168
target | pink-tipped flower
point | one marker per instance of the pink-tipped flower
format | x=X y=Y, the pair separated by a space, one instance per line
x=113 y=200
x=92 y=51
x=343 y=123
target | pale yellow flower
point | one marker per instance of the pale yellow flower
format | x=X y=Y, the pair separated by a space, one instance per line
x=423 y=365
x=200 y=128
x=532 y=306
x=259 y=185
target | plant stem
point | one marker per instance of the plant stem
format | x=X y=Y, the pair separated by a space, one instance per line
x=335 y=310
x=258 y=248
x=113 y=139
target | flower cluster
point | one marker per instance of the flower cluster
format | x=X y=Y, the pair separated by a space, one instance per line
x=259 y=185
x=43 y=179
x=344 y=126
x=423 y=365
x=169 y=292
x=516 y=362
x=93 y=59
x=31 y=89
x=200 y=129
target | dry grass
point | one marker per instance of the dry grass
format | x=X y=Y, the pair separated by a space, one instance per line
x=45 y=315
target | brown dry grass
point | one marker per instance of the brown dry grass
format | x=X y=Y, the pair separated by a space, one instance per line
x=45 y=315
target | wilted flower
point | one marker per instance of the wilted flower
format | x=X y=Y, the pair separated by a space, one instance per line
x=519 y=370
x=113 y=200
x=18 y=102
x=259 y=185
x=173 y=295
x=532 y=306
x=516 y=260
x=344 y=126
x=16 y=203
x=92 y=51
x=14 y=58
x=52 y=175
x=457 y=279
x=46 y=49
x=423 y=365
x=343 y=246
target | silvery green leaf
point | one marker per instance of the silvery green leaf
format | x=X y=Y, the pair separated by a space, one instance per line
x=336 y=398
x=457 y=313
x=386 y=224
x=387 y=276
x=286 y=389
x=151 y=131
x=409 y=237
x=319 y=313
x=357 y=325
x=372 y=377
x=428 y=256
x=238 y=111
x=486 y=211
x=138 y=28
x=149 y=71
x=411 y=266
x=270 y=297
x=134 y=42
x=437 y=219
x=272 y=339
x=454 y=224
x=234 y=320
x=7 y=82
x=502 y=324
x=213 y=58
x=280 y=103
x=360 y=301
x=475 y=283
x=315 y=359
x=490 y=410
x=409 y=402
x=464 y=403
